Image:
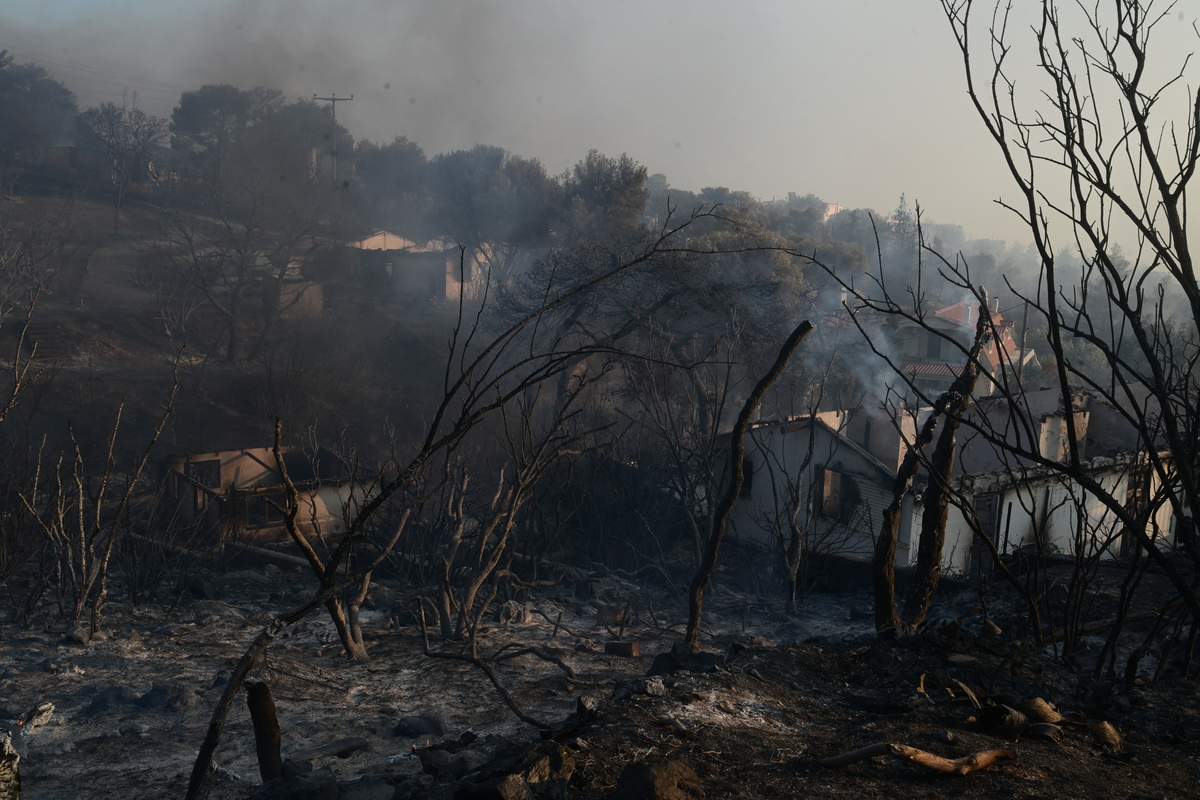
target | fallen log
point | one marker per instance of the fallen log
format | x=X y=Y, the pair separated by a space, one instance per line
x=952 y=766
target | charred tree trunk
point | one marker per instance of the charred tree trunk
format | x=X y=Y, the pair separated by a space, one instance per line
x=266 y=729
x=941 y=472
x=352 y=644
x=884 y=562
x=933 y=528
x=737 y=448
x=202 y=772
x=952 y=405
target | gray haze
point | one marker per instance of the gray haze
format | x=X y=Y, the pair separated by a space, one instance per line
x=855 y=101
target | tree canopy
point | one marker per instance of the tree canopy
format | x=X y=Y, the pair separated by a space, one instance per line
x=35 y=110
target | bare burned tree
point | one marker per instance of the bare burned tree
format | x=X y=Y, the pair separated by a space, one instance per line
x=222 y=231
x=736 y=475
x=33 y=248
x=81 y=514
x=1101 y=150
x=681 y=390
x=131 y=137
x=1106 y=149
x=484 y=374
x=474 y=561
x=790 y=519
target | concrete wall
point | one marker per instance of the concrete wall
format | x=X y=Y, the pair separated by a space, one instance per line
x=775 y=455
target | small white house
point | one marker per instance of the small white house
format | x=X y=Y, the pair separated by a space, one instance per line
x=832 y=476
x=807 y=472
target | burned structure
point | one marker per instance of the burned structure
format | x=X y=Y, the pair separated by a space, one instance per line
x=241 y=494
x=831 y=475
x=930 y=359
x=413 y=273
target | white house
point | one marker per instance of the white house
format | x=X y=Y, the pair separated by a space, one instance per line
x=832 y=476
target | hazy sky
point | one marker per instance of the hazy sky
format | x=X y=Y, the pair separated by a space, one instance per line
x=854 y=100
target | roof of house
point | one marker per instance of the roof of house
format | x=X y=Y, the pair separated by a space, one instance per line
x=382 y=240
x=919 y=367
x=804 y=421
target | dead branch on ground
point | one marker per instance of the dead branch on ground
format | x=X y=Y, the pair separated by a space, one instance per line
x=950 y=766
x=487 y=670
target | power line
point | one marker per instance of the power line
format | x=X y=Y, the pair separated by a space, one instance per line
x=75 y=65
x=139 y=89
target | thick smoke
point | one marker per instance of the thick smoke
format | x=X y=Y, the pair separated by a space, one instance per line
x=713 y=96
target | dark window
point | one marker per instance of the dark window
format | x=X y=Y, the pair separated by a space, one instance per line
x=261 y=514
x=205 y=473
x=935 y=346
x=836 y=495
x=829 y=494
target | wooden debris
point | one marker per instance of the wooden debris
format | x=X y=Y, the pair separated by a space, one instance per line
x=558 y=625
x=951 y=766
x=1044 y=730
x=969 y=693
x=1004 y=721
x=1105 y=733
x=611 y=616
x=625 y=649
x=1041 y=711
x=680 y=730
x=274 y=555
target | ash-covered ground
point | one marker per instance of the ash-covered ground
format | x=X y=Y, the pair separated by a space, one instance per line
x=771 y=696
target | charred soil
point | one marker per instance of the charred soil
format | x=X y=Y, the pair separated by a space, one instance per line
x=753 y=714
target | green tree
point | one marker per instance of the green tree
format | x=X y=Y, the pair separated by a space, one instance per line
x=603 y=196
x=212 y=118
x=393 y=179
x=33 y=109
x=490 y=199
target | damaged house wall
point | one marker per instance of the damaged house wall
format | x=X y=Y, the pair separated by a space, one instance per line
x=1022 y=504
x=932 y=354
x=236 y=491
x=840 y=492
x=837 y=498
x=415 y=273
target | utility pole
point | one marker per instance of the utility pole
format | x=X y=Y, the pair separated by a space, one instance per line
x=333 y=101
x=1021 y=365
